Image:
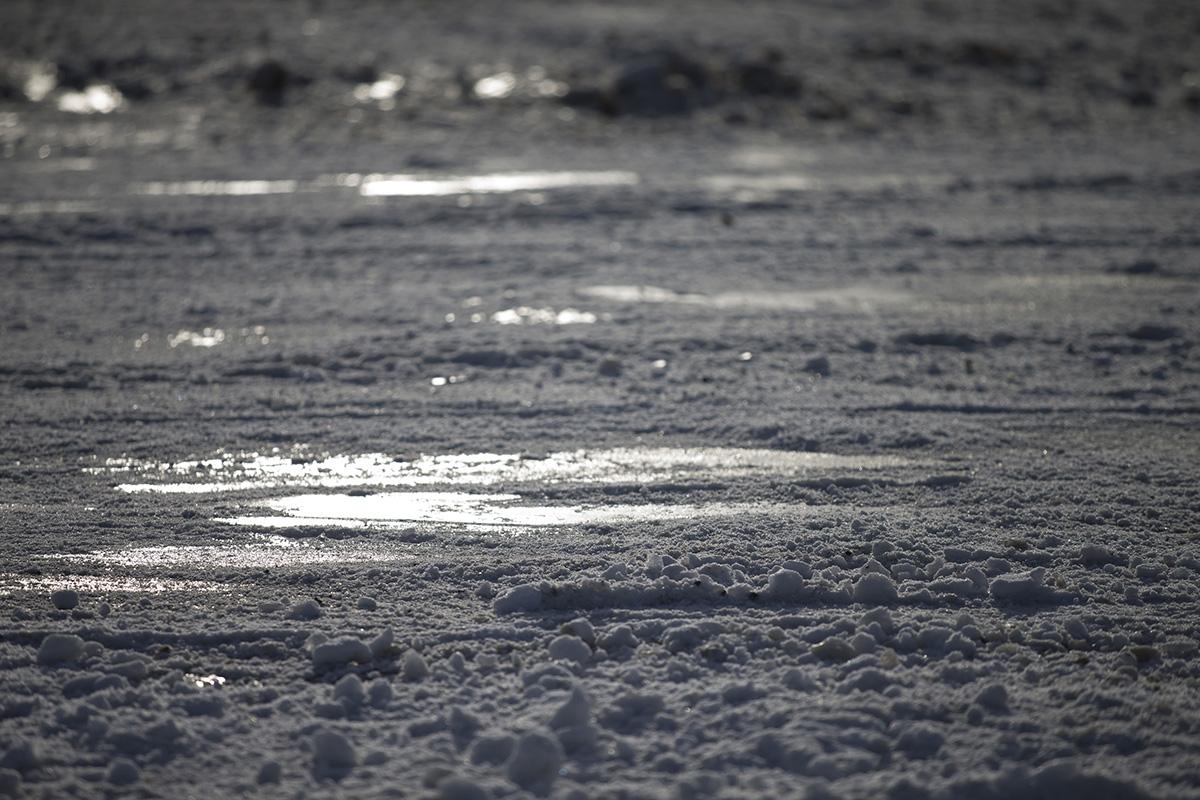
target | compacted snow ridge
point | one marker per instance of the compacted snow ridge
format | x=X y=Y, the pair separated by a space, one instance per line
x=600 y=400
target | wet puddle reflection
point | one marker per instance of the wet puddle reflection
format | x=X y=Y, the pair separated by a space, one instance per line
x=102 y=584
x=484 y=512
x=262 y=552
x=427 y=186
x=616 y=465
x=850 y=297
x=444 y=493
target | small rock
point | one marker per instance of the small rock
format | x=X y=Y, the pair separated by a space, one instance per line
x=818 y=366
x=610 y=367
x=65 y=599
x=268 y=81
x=1154 y=333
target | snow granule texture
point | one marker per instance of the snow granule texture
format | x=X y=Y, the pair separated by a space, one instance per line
x=866 y=466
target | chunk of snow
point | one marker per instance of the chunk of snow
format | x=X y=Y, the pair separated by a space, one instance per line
x=269 y=772
x=786 y=584
x=492 y=749
x=570 y=648
x=341 y=651
x=1022 y=587
x=1098 y=555
x=581 y=628
x=993 y=697
x=349 y=690
x=332 y=751
x=60 y=647
x=380 y=692
x=616 y=638
x=835 y=648
x=414 y=667
x=875 y=589
x=382 y=643
x=123 y=772
x=577 y=710
x=920 y=741
x=526 y=597
x=535 y=761
x=307 y=610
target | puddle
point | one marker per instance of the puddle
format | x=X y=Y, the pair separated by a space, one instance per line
x=425 y=186
x=617 y=465
x=94 y=584
x=850 y=297
x=525 y=315
x=491 y=512
x=214 y=188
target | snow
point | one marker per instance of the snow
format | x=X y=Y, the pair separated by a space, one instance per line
x=340 y=652
x=843 y=446
x=570 y=648
x=875 y=589
x=535 y=761
x=414 y=667
x=333 y=752
x=60 y=647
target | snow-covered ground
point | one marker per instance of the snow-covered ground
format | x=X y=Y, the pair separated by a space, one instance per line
x=401 y=400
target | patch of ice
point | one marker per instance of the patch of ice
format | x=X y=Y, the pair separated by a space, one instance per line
x=617 y=465
x=430 y=186
x=849 y=297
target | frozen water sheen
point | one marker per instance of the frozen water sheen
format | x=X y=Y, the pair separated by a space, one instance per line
x=616 y=465
x=474 y=511
x=214 y=188
x=101 y=584
x=267 y=552
x=425 y=186
x=856 y=297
